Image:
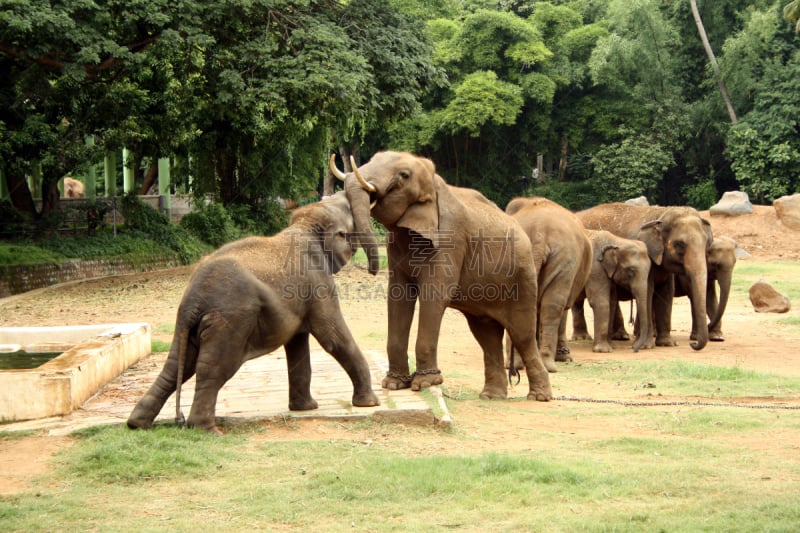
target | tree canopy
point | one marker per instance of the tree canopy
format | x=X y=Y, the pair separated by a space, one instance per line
x=583 y=101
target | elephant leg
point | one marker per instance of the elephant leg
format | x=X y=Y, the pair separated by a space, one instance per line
x=402 y=300
x=524 y=340
x=563 y=351
x=334 y=336
x=427 y=372
x=221 y=355
x=618 y=332
x=601 y=308
x=150 y=405
x=550 y=312
x=662 y=313
x=712 y=306
x=580 y=331
x=298 y=364
x=489 y=334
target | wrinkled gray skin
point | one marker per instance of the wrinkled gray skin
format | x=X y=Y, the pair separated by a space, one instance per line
x=253 y=296
x=618 y=264
x=721 y=260
x=448 y=247
x=562 y=256
x=678 y=247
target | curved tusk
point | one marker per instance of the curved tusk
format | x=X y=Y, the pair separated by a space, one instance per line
x=367 y=186
x=335 y=171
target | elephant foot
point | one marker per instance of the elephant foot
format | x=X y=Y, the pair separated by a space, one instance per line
x=493 y=393
x=422 y=379
x=581 y=336
x=665 y=341
x=602 y=347
x=141 y=417
x=209 y=426
x=563 y=354
x=395 y=381
x=715 y=336
x=549 y=363
x=539 y=387
x=620 y=335
x=139 y=423
x=303 y=404
x=365 y=399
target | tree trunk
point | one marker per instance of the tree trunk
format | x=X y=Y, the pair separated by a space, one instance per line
x=562 y=163
x=21 y=196
x=713 y=60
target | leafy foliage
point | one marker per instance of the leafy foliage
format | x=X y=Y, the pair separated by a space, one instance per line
x=143 y=220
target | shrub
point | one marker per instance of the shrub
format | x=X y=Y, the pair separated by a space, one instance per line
x=212 y=224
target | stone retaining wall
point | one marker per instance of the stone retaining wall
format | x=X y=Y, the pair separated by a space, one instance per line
x=18 y=279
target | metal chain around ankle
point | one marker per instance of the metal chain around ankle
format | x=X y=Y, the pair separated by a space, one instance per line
x=404 y=378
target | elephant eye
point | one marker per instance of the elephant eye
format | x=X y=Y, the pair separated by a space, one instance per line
x=341 y=234
x=404 y=174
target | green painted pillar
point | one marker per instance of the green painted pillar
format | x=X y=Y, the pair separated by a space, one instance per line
x=110 y=172
x=163 y=184
x=35 y=180
x=127 y=171
x=90 y=182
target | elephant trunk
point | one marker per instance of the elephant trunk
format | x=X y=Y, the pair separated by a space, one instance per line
x=360 y=205
x=698 y=280
x=724 y=278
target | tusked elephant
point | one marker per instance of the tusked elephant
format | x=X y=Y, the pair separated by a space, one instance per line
x=254 y=295
x=619 y=264
x=684 y=236
x=562 y=256
x=721 y=259
x=448 y=247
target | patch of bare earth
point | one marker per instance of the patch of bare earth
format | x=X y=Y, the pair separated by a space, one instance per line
x=752 y=342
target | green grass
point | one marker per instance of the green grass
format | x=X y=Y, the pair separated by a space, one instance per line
x=159 y=346
x=782 y=275
x=684 y=378
x=182 y=480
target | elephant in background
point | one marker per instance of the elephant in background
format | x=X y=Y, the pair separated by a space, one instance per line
x=562 y=256
x=619 y=266
x=679 y=246
x=73 y=188
x=448 y=247
x=721 y=260
x=254 y=295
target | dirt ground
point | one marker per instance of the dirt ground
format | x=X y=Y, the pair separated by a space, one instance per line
x=751 y=343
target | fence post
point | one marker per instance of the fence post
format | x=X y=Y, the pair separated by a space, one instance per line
x=164 y=200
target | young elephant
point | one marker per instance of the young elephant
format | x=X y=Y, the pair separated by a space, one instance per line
x=618 y=264
x=254 y=295
x=721 y=258
x=562 y=255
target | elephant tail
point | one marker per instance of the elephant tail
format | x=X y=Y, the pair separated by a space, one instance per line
x=183 y=341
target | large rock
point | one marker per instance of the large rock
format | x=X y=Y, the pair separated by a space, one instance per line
x=641 y=200
x=788 y=210
x=732 y=203
x=766 y=299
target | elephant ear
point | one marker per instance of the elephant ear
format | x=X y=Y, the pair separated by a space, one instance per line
x=609 y=259
x=709 y=234
x=650 y=235
x=422 y=217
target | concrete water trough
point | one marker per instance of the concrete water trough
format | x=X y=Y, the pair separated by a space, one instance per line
x=89 y=357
